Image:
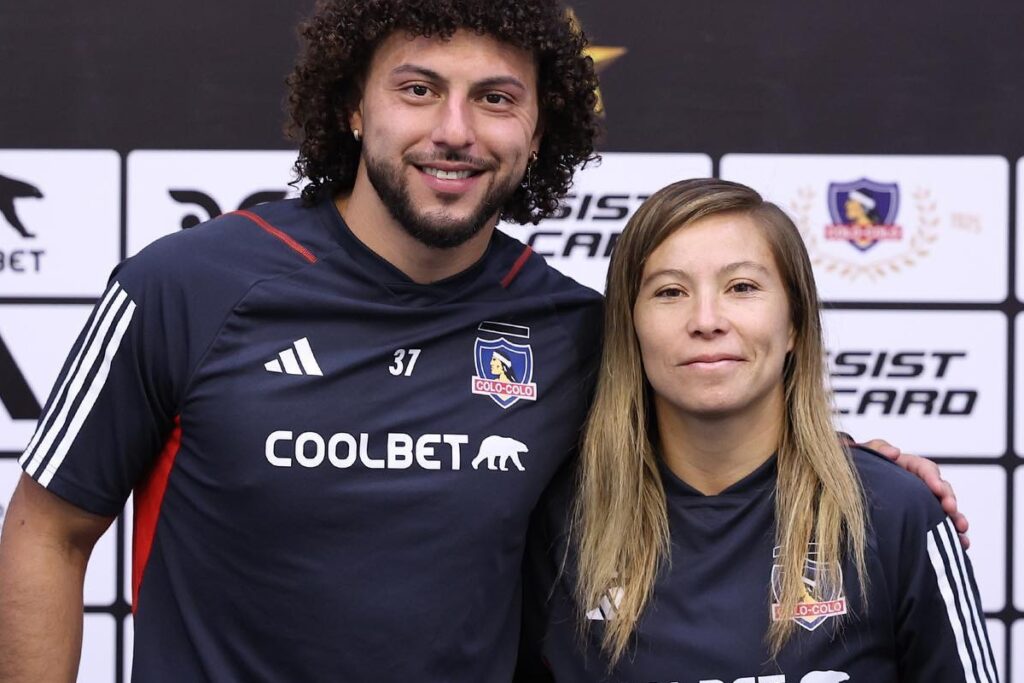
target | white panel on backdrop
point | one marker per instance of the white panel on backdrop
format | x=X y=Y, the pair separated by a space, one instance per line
x=981 y=495
x=578 y=240
x=1018 y=542
x=893 y=228
x=60 y=221
x=38 y=338
x=129 y=645
x=101 y=574
x=10 y=472
x=1020 y=232
x=997 y=638
x=172 y=190
x=933 y=382
x=1018 y=417
x=98 y=649
x=128 y=520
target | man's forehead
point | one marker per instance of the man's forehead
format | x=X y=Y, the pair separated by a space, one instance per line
x=463 y=51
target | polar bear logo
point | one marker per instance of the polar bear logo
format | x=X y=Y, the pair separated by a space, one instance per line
x=498 y=451
x=825 y=677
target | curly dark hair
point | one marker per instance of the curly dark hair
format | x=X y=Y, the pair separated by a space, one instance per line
x=340 y=39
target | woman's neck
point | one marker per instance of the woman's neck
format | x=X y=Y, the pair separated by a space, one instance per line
x=711 y=453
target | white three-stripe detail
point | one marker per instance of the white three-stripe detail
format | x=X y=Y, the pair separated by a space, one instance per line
x=72 y=369
x=117 y=315
x=938 y=564
x=986 y=660
x=90 y=398
x=959 y=601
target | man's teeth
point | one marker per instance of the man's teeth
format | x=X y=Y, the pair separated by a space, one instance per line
x=447 y=175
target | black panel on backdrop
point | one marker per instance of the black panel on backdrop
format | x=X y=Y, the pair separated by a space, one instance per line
x=874 y=77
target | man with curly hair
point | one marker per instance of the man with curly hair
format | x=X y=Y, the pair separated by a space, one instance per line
x=301 y=396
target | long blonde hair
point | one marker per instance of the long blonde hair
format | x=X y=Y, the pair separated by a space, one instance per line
x=620 y=522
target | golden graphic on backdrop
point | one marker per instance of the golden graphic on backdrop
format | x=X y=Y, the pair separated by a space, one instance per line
x=917 y=245
x=602 y=55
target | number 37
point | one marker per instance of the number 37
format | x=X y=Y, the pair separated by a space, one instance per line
x=405 y=361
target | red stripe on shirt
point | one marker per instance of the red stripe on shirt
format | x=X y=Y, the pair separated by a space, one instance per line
x=149 y=496
x=305 y=253
x=516 y=267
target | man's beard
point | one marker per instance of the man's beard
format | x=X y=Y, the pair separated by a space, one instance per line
x=437 y=231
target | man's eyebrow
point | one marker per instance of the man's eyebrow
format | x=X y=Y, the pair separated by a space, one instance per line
x=431 y=75
x=499 y=81
x=423 y=71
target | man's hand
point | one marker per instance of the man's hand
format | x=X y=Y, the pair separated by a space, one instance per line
x=929 y=473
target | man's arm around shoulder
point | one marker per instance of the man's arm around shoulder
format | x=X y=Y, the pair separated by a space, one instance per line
x=44 y=550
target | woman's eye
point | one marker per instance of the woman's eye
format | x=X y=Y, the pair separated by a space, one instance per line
x=744 y=287
x=669 y=292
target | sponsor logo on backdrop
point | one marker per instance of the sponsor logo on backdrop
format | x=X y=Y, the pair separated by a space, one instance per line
x=18 y=260
x=864 y=213
x=504 y=368
x=899 y=381
x=172 y=190
x=11 y=189
x=581 y=234
x=210 y=207
x=59 y=221
x=15 y=393
x=821 y=600
x=576 y=213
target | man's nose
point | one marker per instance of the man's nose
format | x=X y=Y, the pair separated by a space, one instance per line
x=454 y=129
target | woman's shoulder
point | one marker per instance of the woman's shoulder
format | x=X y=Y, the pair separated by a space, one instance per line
x=895 y=498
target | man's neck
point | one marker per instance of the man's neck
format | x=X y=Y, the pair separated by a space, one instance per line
x=374 y=226
x=712 y=454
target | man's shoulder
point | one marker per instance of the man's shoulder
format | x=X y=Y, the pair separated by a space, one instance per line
x=534 y=275
x=232 y=249
x=285 y=228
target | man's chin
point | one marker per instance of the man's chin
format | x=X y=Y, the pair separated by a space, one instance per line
x=444 y=230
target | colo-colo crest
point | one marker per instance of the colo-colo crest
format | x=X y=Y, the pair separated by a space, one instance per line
x=820 y=599
x=863 y=212
x=504 y=369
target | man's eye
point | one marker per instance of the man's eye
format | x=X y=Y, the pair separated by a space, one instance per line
x=495 y=98
x=419 y=90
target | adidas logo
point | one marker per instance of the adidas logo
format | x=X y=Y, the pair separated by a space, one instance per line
x=608 y=605
x=296 y=360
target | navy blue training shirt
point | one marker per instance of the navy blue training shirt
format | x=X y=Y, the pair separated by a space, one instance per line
x=333 y=466
x=712 y=606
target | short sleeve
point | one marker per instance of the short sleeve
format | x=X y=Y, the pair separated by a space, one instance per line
x=113 y=403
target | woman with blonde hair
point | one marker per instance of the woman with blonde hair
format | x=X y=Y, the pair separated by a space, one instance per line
x=720 y=530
